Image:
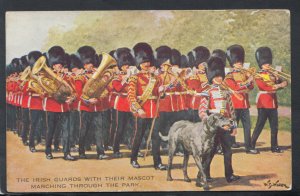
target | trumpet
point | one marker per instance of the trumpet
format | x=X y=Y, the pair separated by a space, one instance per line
x=280 y=74
x=225 y=87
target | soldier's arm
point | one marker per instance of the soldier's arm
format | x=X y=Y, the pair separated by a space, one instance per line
x=264 y=85
x=203 y=107
x=132 y=98
x=231 y=83
x=117 y=85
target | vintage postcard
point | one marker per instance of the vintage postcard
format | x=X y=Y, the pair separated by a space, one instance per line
x=169 y=100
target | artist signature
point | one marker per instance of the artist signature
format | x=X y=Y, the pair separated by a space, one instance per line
x=270 y=184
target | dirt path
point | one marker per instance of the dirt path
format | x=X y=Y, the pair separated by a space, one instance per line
x=32 y=172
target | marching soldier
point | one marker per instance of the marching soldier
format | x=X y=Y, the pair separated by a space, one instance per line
x=120 y=85
x=218 y=101
x=111 y=98
x=35 y=105
x=268 y=83
x=168 y=103
x=143 y=93
x=241 y=83
x=24 y=105
x=58 y=114
x=197 y=82
x=181 y=87
x=76 y=74
x=91 y=118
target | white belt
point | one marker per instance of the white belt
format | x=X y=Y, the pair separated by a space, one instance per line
x=218 y=111
x=266 y=92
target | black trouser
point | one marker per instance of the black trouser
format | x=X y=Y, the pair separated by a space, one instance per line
x=105 y=127
x=8 y=117
x=35 y=117
x=141 y=125
x=19 y=120
x=244 y=116
x=92 y=122
x=12 y=118
x=74 y=127
x=263 y=115
x=223 y=138
x=58 y=122
x=113 y=126
x=123 y=118
x=194 y=116
x=26 y=124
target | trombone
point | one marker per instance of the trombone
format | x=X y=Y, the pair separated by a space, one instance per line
x=280 y=74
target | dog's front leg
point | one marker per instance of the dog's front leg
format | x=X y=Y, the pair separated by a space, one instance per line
x=185 y=165
x=198 y=161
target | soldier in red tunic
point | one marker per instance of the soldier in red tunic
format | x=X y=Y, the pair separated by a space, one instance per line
x=266 y=99
x=24 y=104
x=112 y=111
x=143 y=93
x=218 y=101
x=241 y=83
x=120 y=86
x=197 y=82
x=34 y=103
x=58 y=114
x=92 y=116
x=76 y=69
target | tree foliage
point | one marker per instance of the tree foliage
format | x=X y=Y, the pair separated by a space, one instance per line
x=183 y=30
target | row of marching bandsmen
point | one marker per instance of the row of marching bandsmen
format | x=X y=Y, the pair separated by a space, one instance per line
x=98 y=98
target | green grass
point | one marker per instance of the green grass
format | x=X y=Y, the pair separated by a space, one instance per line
x=284 y=123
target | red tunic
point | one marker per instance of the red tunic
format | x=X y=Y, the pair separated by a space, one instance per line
x=197 y=85
x=266 y=97
x=25 y=96
x=137 y=85
x=234 y=81
x=215 y=102
x=121 y=101
x=169 y=102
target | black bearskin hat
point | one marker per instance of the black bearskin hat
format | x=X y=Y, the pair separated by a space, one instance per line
x=235 y=54
x=191 y=59
x=216 y=65
x=33 y=56
x=263 y=56
x=88 y=55
x=143 y=53
x=175 y=57
x=75 y=62
x=163 y=53
x=201 y=55
x=24 y=62
x=184 y=61
x=56 y=55
x=16 y=67
x=124 y=57
x=67 y=61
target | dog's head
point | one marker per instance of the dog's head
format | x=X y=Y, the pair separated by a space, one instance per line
x=215 y=121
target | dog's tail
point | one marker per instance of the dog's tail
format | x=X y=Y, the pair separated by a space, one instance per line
x=163 y=138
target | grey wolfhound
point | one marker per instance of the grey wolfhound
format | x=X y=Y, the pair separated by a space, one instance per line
x=196 y=139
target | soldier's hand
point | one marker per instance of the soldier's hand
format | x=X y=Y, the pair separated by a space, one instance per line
x=234 y=132
x=161 y=88
x=69 y=100
x=141 y=113
x=93 y=100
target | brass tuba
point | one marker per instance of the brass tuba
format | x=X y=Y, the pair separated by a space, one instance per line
x=52 y=84
x=32 y=82
x=100 y=79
